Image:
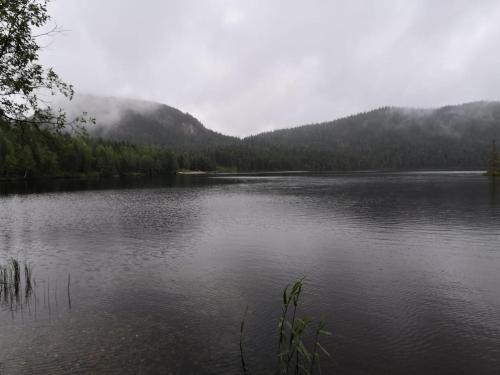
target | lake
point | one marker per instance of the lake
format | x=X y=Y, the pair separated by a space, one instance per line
x=154 y=276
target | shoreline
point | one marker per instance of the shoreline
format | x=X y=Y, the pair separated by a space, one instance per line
x=192 y=173
x=97 y=176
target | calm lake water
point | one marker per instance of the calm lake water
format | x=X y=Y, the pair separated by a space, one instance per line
x=405 y=268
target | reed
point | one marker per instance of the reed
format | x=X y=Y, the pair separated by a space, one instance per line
x=14 y=279
x=294 y=356
x=242 y=330
x=28 y=279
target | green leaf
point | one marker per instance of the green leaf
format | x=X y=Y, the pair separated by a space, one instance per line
x=325 y=352
x=302 y=350
x=285 y=296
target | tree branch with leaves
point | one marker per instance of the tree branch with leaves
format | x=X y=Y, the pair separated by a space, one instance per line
x=24 y=82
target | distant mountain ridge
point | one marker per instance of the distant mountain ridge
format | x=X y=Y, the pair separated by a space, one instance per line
x=395 y=138
x=145 y=123
x=453 y=121
x=450 y=137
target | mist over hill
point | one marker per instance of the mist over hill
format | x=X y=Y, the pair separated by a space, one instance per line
x=385 y=125
x=451 y=137
x=144 y=123
x=395 y=138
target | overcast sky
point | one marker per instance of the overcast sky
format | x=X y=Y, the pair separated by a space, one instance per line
x=243 y=67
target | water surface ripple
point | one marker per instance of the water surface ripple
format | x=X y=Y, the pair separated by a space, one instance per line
x=403 y=266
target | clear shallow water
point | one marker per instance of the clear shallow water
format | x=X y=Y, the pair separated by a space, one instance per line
x=405 y=267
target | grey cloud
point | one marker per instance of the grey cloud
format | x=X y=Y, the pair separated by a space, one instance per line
x=242 y=67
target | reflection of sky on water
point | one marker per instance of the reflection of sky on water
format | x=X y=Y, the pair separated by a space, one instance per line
x=403 y=266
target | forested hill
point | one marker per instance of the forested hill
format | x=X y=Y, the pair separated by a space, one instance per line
x=133 y=137
x=448 y=137
x=145 y=123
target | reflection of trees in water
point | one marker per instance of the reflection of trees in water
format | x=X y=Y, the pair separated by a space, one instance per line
x=19 y=291
x=493 y=191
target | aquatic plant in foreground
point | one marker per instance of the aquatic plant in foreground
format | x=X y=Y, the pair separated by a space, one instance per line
x=18 y=287
x=13 y=280
x=293 y=355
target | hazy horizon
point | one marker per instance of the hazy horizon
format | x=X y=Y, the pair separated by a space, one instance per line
x=244 y=68
x=98 y=107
